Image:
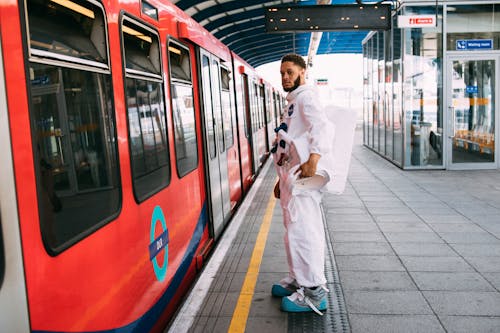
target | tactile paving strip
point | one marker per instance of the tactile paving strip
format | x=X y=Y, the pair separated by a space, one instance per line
x=335 y=318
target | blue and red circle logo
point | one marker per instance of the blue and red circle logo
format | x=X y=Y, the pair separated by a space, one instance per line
x=157 y=244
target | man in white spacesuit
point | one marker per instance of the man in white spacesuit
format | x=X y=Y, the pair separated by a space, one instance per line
x=304 y=289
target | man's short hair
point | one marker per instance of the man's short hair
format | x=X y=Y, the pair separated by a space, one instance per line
x=295 y=58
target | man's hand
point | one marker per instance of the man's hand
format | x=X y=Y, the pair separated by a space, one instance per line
x=277 y=190
x=308 y=169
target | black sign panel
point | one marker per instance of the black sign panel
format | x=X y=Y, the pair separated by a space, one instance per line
x=328 y=18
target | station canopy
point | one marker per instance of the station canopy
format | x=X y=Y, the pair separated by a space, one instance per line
x=240 y=24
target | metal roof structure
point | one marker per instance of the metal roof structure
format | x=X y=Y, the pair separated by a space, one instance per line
x=240 y=24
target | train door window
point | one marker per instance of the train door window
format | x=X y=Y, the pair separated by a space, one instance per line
x=186 y=151
x=226 y=106
x=266 y=103
x=145 y=109
x=246 y=101
x=216 y=96
x=72 y=120
x=207 y=104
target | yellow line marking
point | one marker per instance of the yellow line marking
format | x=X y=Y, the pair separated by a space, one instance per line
x=240 y=315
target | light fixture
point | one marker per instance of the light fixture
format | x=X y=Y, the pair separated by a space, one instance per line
x=136 y=33
x=174 y=50
x=75 y=7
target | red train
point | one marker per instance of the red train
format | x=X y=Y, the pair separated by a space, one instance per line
x=129 y=135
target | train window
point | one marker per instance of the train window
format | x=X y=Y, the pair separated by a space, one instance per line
x=84 y=36
x=149 y=10
x=216 y=97
x=245 y=101
x=186 y=147
x=207 y=105
x=72 y=119
x=226 y=106
x=145 y=110
x=268 y=104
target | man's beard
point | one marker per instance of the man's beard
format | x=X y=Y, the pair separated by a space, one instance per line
x=296 y=84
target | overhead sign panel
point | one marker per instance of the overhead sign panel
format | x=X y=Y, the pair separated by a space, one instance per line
x=474 y=44
x=416 y=21
x=328 y=18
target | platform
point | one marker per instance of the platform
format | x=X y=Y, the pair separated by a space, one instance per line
x=408 y=251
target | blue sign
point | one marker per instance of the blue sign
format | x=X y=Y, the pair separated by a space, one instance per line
x=471 y=89
x=474 y=44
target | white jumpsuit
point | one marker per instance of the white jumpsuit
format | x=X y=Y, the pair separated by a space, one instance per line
x=304 y=236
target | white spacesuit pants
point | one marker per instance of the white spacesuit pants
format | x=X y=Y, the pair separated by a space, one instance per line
x=304 y=236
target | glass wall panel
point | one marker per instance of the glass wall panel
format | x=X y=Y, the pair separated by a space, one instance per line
x=472 y=22
x=388 y=100
x=375 y=143
x=397 y=100
x=366 y=87
x=369 y=133
x=381 y=92
x=422 y=92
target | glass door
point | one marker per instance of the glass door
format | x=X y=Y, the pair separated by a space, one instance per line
x=472 y=112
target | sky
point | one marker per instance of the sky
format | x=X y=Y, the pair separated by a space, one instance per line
x=344 y=73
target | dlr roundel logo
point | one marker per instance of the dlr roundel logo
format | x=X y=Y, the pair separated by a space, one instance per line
x=159 y=243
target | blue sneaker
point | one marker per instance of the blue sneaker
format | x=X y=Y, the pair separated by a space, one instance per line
x=306 y=300
x=285 y=287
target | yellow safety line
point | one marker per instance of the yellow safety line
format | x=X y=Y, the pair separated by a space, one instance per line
x=240 y=315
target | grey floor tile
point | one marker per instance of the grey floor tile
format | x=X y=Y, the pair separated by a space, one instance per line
x=413 y=237
x=267 y=325
x=453 y=281
x=369 y=263
x=485 y=264
x=354 y=227
x=456 y=227
x=452 y=218
x=404 y=227
x=436 y=264
x=386 y=302
x=397 y=218
x=464 y=303
x=423 y=249
x=348 y=236
x=395 y=324
x=469 y=237
x=373 y=281
x=366 y=248
x=494 y=279
x=468 y=324
x=265 y=305
x=478 y=250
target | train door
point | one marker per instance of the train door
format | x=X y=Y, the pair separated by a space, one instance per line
x=215 y=150
x=472 y=111
x=13 y=304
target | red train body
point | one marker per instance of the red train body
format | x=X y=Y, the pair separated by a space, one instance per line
x=129 y=136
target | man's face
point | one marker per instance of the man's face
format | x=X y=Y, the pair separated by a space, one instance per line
x=292 y=76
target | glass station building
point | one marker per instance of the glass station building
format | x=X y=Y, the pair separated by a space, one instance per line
x=430 y=93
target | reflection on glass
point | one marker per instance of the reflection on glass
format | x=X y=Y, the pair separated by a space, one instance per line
x=147 y=126
x=422 y=89
x=207 y=105
x=72 y=115
x=184 y=128
x=473 y=111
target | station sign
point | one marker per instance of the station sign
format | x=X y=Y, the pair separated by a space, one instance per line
x=474 y=44
x=416 y=21
x=321 y=82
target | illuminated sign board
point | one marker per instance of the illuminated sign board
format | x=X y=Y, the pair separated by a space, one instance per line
x=416 y=21
x=328 y=18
